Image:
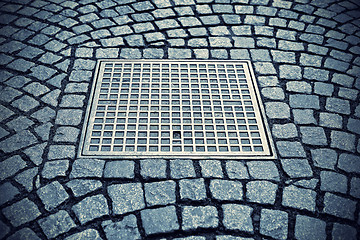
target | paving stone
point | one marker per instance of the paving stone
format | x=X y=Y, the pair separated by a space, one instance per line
x=264 y=68
x=66 y=134
x=210 y=20
x=4 y=230
x=219 y=53
x=56 y=224
x=80 y=76
x=52 y=195
x=220 y=42
x=198 y=42
x=51 y=98
x=296 y=168
x=153 y=53
x=211 y=169
x=181 y=169
x=91 y=208
x=244 y=30
x=290 y=46
x=36 y=89
x=266 y=170
x=308 y=228
x=337 y=105
x=76 y=88
x=199 y=31
x=287 y=130
x=175 y=53
x=304 y=101
x=119 y=169
x=236 y=170
x=348 y=93
x=349 y=162
x=243 y=42
x=355 y=187
x=199 y=217
x=24 y=233
x=24 y=208
x=342 y=232
x=160 y=193
x=336 y=64
x=25 y=103
x=333 y=182
x=80 y=187
x=107 y=53
x=342 y=79
x=262 y=192
x=54 y=169
x=129 y=53
x=87 y=168
x=231 y=19
x=125 y=229
x=162 y=3
x=339 y=206
x=324 y=158
x=86 y=234
x=290 y=72
x=316 y=74
x=274 y=223
x=11 y=166
x=8 y=94
x=353 y=125
x=226 y=190
x=330 y=120
x=273 y=93
x=283 y=57
x=83 y=64
x=19 y=124
x=159 y=220
x=299 y=198
x=44 y=115
x=342 y=140
x=18 y=141
x=324 y=89
x=290 y=149
x=277 y=110
x=61 y=152
x=193 y=189
x=237 y=217
x=26 y=178
x=153 y=168
x=126 y=197
x=313 y=136
x=69 y=117
x=201 y=53
x=8 y=192
x=286 y=34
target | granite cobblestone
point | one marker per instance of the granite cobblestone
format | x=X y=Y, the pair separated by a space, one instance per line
x=304 y=54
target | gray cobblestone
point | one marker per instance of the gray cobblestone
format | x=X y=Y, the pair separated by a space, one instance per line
x=355 y=187
x=264 y=68
x=290 y=46
x=342 y=140
x=290 y=72
x=52 y=195
x=211 y=169
x=126 y=197
x=181 y=169
x=159 y=220
x=24 y=208
x=262 y=192
x=273 y=223
x=333 y=182
x=290 y=149
x=273 y=93
x=87 y=168
x=9 y=192
x=86 y=234
x=160 y=193
x=199 y=217
x=91 y=208
x=243 y=42
x=308 y=228
x=226 y=190
x=324 y=89
x=61 y=152
x=330 y=120
x=277 y=110
x=236 y=170
x=348 y=93
x=119 y=169
x=299 y=198
x=266 y=170
x=298 y=86
x=316 y=74
x=339 y=206
x=130 y=53
x=26 y=178
x=297 y=168
x=193 y=189
x=80 y=187
x=324 y=158
x=336 y=64
x=342 y=231
x=349 y=163
x=283 y=57
x=54 y=169
x=153 y=168
x=18 y=141
x=56 y=224
x=25 y=233
x=313 y=136
x=175 y=53
x=125 y=229
x=237 y=217
x=342 y=79
x=287 y=130
x=304 y=101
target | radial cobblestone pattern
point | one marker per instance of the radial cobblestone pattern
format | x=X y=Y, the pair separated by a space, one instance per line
x=305 y=55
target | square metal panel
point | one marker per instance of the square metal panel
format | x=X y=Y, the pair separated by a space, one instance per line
x=175 y=109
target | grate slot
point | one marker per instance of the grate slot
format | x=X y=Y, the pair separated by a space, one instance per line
x=175 y=109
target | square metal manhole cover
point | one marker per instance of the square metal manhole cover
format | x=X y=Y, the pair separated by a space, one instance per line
x=172 y=109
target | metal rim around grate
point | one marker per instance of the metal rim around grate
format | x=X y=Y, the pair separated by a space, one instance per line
x=175 y=109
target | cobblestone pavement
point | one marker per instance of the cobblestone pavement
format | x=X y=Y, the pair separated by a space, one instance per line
x=306 y=58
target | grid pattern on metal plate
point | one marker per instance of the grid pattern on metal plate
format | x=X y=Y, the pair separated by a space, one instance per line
x=175 y=108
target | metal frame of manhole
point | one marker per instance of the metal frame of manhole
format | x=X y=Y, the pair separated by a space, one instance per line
x=198 y=109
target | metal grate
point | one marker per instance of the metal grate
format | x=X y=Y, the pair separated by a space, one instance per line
x=166 y=108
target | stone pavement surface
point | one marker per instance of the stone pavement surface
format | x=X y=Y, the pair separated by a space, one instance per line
x=306 y=59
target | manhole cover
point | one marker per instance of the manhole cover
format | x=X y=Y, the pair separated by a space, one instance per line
x=167 y=108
